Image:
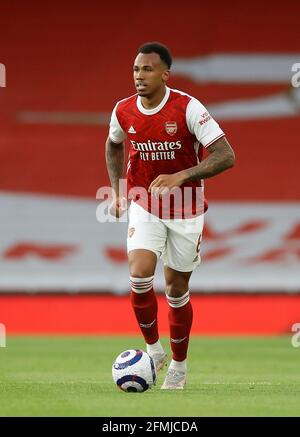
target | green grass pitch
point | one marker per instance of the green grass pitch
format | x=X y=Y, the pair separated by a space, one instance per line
x=71 y=376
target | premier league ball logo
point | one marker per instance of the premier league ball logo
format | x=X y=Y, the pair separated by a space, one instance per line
x=134 y=371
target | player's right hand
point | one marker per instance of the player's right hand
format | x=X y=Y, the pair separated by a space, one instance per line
x=118 y=206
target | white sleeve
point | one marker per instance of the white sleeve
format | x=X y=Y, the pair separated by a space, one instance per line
x=116 y=133
x=201 y=124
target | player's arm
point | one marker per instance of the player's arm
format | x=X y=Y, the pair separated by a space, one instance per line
x=208 y=133
x=114 y=154
x=221 y=157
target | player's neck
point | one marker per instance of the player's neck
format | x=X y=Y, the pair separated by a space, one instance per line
x=150 y=102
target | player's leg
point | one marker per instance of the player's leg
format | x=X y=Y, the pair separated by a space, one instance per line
x=142 y=265
x=181 y=258
x=180 y=323
x=145 y=242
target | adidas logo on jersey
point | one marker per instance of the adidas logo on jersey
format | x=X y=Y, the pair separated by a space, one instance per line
x=131 y=130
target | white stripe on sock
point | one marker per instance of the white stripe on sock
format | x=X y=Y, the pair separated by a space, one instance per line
x=141 y=285
x=177 y=302
x=137 y=280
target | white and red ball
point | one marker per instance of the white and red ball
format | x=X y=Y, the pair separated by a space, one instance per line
x=134 y=371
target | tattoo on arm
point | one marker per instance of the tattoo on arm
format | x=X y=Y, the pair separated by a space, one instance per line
x=114 y=162
x=220 y=158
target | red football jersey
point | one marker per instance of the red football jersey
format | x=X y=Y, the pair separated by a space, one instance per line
x=164 y=140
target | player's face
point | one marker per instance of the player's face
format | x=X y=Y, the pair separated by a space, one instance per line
x=150 y=74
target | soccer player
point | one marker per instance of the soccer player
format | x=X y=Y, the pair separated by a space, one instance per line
x=166 y=130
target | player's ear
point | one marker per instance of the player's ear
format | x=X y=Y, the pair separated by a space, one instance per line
x=165 y=75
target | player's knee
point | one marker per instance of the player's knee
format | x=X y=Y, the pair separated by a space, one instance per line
x=142 y=264
x=175 y=289
x=140 y=273
x=139 y=269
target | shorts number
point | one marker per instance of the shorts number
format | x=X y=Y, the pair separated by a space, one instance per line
x=198 y=243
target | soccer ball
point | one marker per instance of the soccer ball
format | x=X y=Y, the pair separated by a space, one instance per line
x=134 y=371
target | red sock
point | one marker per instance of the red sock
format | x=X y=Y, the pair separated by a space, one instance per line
x=180 y=321
x=144 y=303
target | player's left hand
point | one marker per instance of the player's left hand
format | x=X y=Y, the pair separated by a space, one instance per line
x=165 y=183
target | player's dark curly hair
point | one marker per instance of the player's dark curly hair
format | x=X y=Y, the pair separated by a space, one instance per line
x=160 y=49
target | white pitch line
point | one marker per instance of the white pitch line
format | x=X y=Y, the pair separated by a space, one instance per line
x=33 y=381
x=106 y=382
x=241 y=383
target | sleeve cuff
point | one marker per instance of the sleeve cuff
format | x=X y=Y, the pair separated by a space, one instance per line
x=115 y=140
x=208 y=141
